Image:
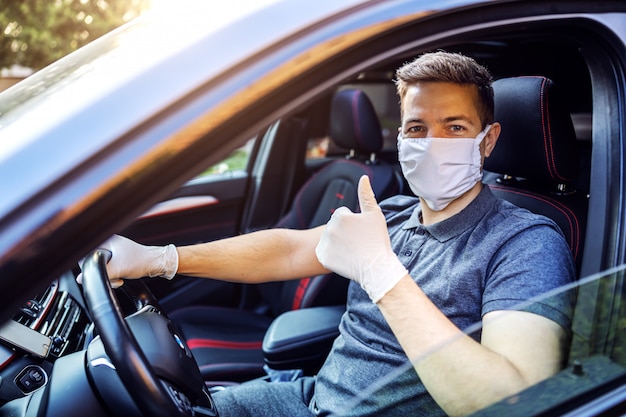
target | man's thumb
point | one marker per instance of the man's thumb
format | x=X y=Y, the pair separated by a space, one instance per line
x=367 y=200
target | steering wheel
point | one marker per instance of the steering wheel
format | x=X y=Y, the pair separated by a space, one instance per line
x=168 y=385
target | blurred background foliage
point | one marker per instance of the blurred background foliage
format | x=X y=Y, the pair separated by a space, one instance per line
x=36 y=33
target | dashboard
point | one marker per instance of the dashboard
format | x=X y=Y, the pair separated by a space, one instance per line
x=48 y=326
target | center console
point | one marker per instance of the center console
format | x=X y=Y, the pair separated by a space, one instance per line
x=50 y=325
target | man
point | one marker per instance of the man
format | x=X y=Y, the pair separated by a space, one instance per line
x=423 y=269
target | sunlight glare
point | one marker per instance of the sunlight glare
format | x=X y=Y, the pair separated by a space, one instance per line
x=205 y=13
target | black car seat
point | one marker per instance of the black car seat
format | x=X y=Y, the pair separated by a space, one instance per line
x=535 y=163
x=227 y=343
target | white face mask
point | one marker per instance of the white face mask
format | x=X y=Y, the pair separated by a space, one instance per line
x=440 y=170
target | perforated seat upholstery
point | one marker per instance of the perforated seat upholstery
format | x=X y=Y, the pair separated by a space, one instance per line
x=536 y=157
x=227 y=342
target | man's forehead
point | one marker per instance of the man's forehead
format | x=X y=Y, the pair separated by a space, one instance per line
x=439 y=100
x=426 y=88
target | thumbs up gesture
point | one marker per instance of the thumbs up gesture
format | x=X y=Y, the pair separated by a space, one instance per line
x=357 y=246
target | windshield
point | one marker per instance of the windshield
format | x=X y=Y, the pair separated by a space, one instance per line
x=595 y=358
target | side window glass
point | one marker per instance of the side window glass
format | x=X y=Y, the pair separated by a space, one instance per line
x=594 y=358
x=317 y=148
x=237 y=161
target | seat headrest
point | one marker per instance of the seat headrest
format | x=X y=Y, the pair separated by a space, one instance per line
x=538 y=141
x=354 y=124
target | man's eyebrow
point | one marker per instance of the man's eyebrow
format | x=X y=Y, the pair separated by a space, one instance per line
x=451 y=119
x=414 y=120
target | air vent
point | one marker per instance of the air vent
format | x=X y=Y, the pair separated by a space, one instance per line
x=32 y=312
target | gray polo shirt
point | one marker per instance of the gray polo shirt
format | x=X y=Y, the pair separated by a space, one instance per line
x=490 y=256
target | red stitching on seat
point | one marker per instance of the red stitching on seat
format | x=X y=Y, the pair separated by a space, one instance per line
x=222 y=344
x=297 y=299
x=297 y=204
x=567 y=212
x=546 y=129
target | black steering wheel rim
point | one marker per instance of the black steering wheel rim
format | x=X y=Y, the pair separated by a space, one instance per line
x=133 y=368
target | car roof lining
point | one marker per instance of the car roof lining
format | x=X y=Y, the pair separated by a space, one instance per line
x=553 y=47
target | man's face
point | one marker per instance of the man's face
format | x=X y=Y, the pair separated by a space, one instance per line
x=444 y=110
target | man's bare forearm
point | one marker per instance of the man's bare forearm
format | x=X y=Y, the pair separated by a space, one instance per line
x=268 y=255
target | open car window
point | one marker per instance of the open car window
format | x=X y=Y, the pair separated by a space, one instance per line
x=596 y=354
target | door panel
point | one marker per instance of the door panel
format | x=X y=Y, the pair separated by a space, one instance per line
x=201 y=211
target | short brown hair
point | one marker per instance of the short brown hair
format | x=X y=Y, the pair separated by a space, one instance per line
x=449 y=67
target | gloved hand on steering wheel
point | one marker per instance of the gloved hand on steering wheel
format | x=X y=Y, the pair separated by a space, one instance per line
x=357 y=246
x=132 y=260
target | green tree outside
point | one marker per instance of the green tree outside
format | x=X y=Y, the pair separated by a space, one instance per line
x=36 y=33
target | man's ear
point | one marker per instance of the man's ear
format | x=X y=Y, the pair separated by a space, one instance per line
x=491 y=138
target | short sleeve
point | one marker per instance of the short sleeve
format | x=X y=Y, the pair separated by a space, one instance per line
x=527 y=273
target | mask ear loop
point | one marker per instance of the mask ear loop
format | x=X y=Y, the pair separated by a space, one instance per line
x=483 y=134
x=477 y=156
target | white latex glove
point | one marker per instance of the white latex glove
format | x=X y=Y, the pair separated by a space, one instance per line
x=132 y=260
x=357 y=246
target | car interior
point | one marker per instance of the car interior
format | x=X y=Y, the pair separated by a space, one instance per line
x=306 y=164
x=541 y=163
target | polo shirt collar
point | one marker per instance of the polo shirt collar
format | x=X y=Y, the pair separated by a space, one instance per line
x=457 y=224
